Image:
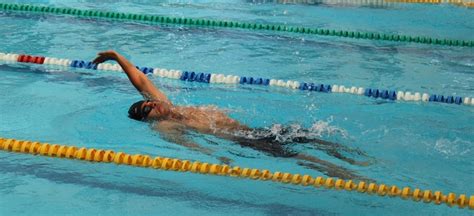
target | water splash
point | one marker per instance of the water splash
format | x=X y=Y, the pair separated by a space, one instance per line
x=450 y=148
x=288 y=133
x=469 y=64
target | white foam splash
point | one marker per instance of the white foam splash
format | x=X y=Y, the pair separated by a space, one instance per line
x=323 y=128
x=282 y=133
x=434 y=61
x=449 y=148
x=469 y=64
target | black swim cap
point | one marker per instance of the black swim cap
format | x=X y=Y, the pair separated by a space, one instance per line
x=135 y=111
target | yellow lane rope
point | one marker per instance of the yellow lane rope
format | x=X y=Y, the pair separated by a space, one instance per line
x=173 y=164
x=416 y=1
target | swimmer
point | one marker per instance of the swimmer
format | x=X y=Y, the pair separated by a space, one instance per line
x=173 y=122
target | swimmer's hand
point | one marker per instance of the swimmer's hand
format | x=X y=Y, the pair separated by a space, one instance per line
x=139 y=80
x=225 y=160
x=105 y=56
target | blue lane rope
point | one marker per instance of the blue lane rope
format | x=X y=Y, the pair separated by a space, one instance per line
x=191 y=76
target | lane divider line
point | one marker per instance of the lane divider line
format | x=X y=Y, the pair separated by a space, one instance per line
x=173 y=164
x=377 y=3
x=191 y=76
x=232 y=24
x=453 y=2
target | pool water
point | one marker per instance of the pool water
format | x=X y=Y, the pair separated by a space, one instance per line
x=425 y=145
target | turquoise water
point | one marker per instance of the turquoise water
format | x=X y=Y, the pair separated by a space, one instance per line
x=408 y=144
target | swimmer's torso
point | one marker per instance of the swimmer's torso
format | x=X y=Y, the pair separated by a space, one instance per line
x=207 y=119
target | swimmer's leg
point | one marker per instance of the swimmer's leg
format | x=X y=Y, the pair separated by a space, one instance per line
x=274 y=148
x=334 y=149
x=266 y=145
x=329 y=145
x=327 y=168
x=269 y=143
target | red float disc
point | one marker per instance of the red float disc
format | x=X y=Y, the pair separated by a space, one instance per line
x=41 y=60
x=20 y=58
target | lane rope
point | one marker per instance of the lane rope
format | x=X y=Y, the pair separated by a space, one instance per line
x=214 y=78
x=232 y=24
x=372 y=3
x=377 y=3
x=173 y=164
x=453 y=2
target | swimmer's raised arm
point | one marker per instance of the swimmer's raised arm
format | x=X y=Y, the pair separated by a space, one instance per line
x=138 y=79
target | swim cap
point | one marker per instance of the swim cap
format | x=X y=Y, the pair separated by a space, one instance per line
x=136 y=112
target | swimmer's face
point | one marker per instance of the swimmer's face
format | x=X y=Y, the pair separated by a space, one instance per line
x=156 y=110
